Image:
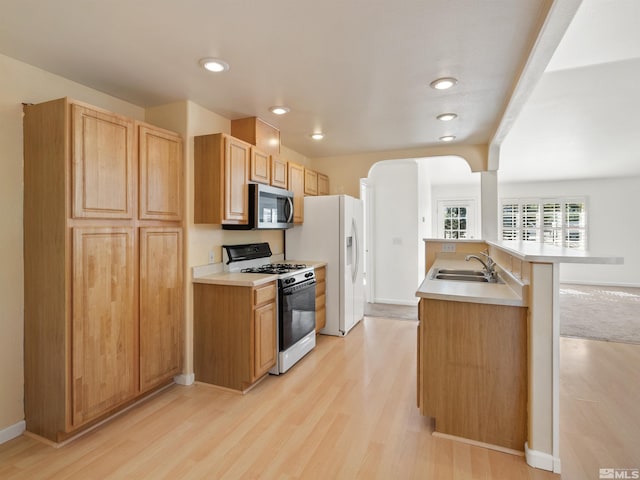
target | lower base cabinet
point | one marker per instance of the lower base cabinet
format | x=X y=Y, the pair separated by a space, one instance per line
x=235 y=342
x=472 y=370
x=321 y=288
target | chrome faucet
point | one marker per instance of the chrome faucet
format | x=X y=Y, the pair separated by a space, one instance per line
x=489 y=265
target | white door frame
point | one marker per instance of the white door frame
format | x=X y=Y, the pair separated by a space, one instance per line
x=368 y=200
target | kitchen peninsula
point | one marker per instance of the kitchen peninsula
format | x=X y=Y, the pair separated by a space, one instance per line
x=501 y=339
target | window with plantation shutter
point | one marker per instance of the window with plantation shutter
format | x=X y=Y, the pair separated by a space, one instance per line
x=557 y=221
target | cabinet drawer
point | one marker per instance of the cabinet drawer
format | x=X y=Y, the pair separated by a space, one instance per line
x=320 y=288
x=321 y=273
x=264 y=294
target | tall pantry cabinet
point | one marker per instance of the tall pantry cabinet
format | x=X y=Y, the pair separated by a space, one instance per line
x=103 y=263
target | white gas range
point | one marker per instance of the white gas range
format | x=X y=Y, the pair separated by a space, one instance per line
x=296 y=299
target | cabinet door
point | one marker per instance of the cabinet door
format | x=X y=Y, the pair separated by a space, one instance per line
x=236 y=170
x=278 y=172
x=310 y=182
x=264 y=335
x=260 y=167
x=296 y=185
x=323 y=184
x=102 y=164
x=160 y=166
x=104 y=321
x=161 y=305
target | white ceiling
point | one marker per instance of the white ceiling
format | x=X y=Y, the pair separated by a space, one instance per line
x=358 y=70
x=583 y=118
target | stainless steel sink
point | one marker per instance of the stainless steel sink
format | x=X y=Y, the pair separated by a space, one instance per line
x=452 y=271
x=464 y=276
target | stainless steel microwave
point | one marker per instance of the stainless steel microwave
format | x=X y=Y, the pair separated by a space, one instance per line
x=270 y=208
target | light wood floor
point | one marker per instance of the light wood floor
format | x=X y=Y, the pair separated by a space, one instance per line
x=346 y=411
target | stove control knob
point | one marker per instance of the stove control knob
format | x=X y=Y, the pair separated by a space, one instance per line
x=289 y=280
x=309 y=274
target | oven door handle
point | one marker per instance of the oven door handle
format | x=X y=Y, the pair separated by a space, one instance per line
x=298 y=288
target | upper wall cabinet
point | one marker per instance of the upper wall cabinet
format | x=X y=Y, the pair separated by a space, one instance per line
x=260 y=167
x=310 y=182
x=102 y=164
x=258 y=133
x=296 y=185
x=278 y=172
x=221 y=169
x=160 y=158
x=323 y=184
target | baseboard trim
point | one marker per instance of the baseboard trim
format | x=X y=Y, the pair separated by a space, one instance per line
x=185 y=379
x=388 y=301
x=476 y=443
x=12 y=431
x=541 y=460
x=599 y=284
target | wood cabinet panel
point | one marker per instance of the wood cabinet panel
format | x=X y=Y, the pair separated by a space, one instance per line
x=161 y=305
x=161 y=170
x=321 y=299
x=104 y=333
x=323 y=184
x=102 y=164
x=260 y=167
x=278 y=172
x=257 y=132
x=296 y=185
x=310 y=182
x=236 y=162
x=234 y=334
x=264 y=335
x=474 y=370
x=82 y=291
x=221 y=171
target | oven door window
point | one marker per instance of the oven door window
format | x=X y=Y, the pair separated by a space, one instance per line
x=297 y=315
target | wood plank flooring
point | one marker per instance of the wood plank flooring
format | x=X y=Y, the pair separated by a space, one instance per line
x=347 y=411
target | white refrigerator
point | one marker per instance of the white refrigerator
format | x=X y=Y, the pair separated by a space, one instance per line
x=332 y=233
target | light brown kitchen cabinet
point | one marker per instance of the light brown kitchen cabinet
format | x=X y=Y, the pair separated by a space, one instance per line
x=258 y=133
x=323 y=184
x=321 y=298
x=310 y=182
x=296 y=185
x=103 y=333
x=160 y=159
x=234 y=334
x=83 y=242
x=278 y=172
x=472 y=370
x=161 y=304
x=260 y=167
x=221 y=169
x=102 y=163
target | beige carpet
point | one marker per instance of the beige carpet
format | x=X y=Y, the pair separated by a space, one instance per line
x=611 y=314
x=600 y=313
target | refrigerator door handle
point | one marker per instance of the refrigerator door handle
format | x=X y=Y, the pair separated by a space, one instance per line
x=355 y=265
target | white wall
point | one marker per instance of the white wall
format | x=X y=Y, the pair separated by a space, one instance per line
x=396 y=262
x=613 y=224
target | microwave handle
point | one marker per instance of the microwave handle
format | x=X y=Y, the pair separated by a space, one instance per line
x=290 y=217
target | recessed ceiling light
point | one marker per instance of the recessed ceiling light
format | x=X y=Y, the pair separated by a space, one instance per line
x=446 y=117
x=448 y=138
x=317 y=135
x=443 y=83
x=214 y=65
x=279 y=110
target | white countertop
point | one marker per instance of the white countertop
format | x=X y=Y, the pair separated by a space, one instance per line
x=213 y=275
x=543 y=253
x=472 y=292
